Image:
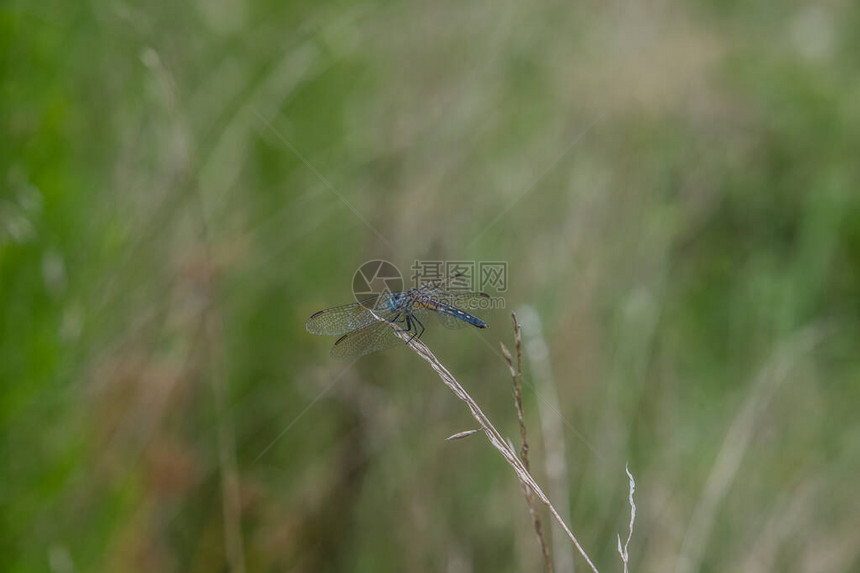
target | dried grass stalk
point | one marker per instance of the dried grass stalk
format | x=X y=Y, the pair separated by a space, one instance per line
x=516 y=377
x=492 y=434
x=622 y=549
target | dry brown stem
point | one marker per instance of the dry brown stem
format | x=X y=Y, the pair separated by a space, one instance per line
x=492 y=434
x=516 y=377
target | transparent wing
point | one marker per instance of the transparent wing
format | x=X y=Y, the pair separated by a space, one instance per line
x=472 y=302
x=342 y=319
x=377 y=336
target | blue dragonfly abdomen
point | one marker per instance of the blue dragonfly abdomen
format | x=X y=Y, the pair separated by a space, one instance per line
x=447 y=310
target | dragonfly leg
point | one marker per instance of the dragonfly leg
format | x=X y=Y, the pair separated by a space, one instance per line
x=407 y=319
x=418 y=324
x=408 y=325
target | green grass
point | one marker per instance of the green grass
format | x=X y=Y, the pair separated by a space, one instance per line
x=157 y=231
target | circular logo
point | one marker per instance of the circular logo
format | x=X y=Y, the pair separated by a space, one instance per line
x=374 y=279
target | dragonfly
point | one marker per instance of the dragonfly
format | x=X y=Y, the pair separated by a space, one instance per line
x=364 y=326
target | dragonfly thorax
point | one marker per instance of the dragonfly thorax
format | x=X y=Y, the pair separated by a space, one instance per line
x=398 y=300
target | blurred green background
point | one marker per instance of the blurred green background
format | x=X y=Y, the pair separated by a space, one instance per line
x=676 y=190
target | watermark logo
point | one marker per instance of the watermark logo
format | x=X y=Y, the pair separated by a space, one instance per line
x=468 y=276
x=494 y=275
x=374 y=279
